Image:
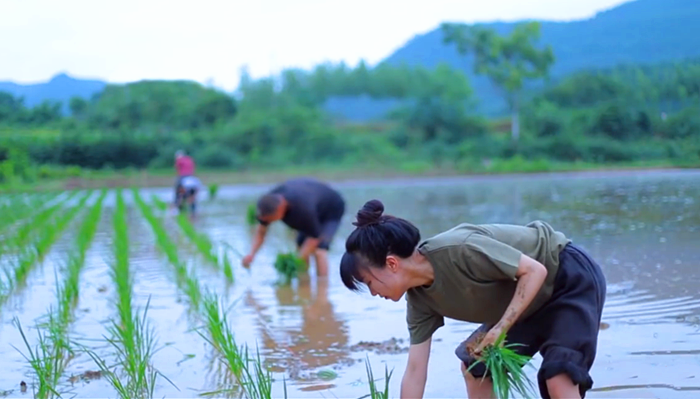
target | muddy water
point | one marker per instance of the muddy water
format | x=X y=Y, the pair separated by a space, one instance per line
x=643 y=228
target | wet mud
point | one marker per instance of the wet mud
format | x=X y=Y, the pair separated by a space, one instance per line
x=316 y=335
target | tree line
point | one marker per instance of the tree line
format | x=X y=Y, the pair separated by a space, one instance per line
x=620 y=114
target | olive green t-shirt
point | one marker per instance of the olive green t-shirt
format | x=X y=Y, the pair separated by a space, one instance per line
x=475 y=267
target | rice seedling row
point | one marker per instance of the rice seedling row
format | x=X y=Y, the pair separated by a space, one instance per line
x=69 y=292
x=129 y=333
x=185 y=279
x=24 y=234
x=35 y=253
x=21 y=208
x=202 y=243
x=47 y=359
x=253 y=378
x=53 y=351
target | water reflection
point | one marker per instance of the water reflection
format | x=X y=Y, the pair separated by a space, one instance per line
x=307 y=334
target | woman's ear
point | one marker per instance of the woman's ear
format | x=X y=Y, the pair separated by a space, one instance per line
x=392 y=263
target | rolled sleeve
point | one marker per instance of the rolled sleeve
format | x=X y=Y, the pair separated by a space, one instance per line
x=422 y=323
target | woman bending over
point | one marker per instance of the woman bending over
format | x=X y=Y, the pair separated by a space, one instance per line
x=530 y=282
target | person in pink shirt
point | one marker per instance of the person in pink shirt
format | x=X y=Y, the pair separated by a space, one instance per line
x=184 y=165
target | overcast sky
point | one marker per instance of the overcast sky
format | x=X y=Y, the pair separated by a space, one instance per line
x=209 y=40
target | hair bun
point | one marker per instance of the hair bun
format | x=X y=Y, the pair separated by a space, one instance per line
x=371 y=213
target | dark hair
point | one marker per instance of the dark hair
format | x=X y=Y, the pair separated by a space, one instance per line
x=376 y=235
x=268 y=204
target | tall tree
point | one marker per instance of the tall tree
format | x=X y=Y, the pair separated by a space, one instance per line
x=507 y=60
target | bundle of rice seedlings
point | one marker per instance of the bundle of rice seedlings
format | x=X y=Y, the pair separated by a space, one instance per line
x=250 y=215
x=505 y=367
x=289 y=265
x=213 y=190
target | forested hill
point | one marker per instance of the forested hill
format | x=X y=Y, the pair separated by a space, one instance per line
x=638 y=32
x=642 y=31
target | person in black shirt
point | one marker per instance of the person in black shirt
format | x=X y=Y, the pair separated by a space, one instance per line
x=310 y=207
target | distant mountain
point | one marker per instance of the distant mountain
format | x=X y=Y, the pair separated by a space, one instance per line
x=638 y=32
x=60 y=88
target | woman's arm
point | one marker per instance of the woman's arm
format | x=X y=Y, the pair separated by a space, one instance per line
x=531 y=275
x=413 y=382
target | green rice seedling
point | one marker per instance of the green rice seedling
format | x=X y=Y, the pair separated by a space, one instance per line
x=185 y=279
x=205 y=247
x=505 y=367
x=45 y=360
x=84 y=238
x=374 y=392
x=252 y=376
x=21 y=208
x=160 y=204
x=213 y=190
x=6 y=283
x=257 y=379
x=228 y=268
x=289 y=265
x=130 y=336
x=220 y=335
x=168 y=247
x=250 y=216
x=23 y=235
x=111 y=374
x=51 y=232
x=46 y=238
x=135 y=344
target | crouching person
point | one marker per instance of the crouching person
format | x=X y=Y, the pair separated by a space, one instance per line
x=530 y=282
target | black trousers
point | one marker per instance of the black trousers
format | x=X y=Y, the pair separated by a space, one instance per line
x=565 y=329
x=328 y=230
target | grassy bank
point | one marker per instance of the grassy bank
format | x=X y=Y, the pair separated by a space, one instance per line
x=93 y=179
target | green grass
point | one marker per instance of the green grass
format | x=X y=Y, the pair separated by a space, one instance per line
x=505 y=367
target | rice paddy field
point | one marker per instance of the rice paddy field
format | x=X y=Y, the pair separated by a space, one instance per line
x=109 y=293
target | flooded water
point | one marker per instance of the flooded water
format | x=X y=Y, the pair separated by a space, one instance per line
x=642 y=227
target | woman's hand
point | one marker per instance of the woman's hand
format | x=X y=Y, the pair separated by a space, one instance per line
x=489 y=339
x=531 y=275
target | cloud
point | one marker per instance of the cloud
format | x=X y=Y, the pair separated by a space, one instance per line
x=211 y=39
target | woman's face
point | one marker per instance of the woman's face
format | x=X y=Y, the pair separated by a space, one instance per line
x=386 y=282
